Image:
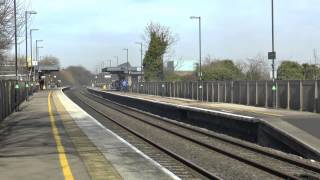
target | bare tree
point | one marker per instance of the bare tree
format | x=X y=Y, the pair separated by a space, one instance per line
x=256 y=68
x=7 y=23
x=50 y=61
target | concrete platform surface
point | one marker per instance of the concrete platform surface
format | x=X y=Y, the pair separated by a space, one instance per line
x=303 y=126
x=52 y=138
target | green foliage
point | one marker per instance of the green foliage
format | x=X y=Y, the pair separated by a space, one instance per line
x=171 y=76
x=159 y=39
x=221 y=70
x=175 y=76
x=289 y=70
x=311 y=72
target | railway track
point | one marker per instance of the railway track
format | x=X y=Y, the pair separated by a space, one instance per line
x=273 y=164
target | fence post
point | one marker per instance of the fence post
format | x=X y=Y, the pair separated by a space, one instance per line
x=184 y=89
x=146 y=89
x=301 y=96
x=257 y=91
x=288 y=95
x=207 y=92
x=225 y=91
x=248 y=93
x=192 y=90
x=277 y=94
x=218 y=92
x=178 y=89
x=240 y=92
x=232 y=92
x=316 y=96
x=202 y=90
x=197 y=90
x=212 y=91
x=151 y=88
x=187 y=90
x=174 y=88
x=267 y=97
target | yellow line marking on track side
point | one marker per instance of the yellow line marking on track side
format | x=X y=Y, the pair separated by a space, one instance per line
x=67 y=173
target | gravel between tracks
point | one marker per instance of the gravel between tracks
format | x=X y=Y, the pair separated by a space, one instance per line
x=225 y=167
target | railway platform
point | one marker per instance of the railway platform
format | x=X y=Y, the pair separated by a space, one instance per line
x=298 y=125
x=52 y=138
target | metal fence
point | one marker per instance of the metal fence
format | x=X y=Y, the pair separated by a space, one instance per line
x=291 y=95
x=8 y=100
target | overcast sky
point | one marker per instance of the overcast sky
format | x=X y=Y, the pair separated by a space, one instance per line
x=87 y=32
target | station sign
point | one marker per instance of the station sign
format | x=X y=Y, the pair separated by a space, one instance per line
x=271 y=55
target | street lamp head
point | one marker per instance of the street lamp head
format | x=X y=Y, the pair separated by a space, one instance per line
x=39 y=40
x=31 y=12
x=195 y=17
x=34 y=29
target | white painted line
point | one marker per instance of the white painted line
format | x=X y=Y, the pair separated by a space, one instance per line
x=122 y=140
x=182 y=106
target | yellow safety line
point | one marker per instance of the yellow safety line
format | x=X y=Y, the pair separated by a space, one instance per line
x=62 y=154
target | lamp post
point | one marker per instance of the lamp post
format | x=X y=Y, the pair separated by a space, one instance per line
x=16 y=54
x=26 y=26
x=200 y=58
x=140 y=43
x=37 y=56
x=200 y=54
x=117 y=57
x=272 y=56
x=31 y=48
x=127 y=50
